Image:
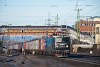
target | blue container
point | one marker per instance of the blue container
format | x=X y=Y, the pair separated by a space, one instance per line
x=50 y=44
x=50 y=41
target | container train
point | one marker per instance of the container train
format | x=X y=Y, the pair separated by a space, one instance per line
x=50 y=45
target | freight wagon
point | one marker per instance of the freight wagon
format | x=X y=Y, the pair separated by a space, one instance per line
x=31 y=47
x=43 y=45
x=14 y=48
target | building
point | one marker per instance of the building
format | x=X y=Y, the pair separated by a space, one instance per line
x=97 y=33
x=87 y=26
x=97 y=19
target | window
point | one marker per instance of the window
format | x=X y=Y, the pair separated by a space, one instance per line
x=89 y=32
x=97 y=30
x=93 y=32
x=90 y=24
x=87 y=24
x=82 y=24
x=93 y=24
x=63 y=26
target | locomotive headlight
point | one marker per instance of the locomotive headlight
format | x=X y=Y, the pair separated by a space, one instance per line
x=66 y=45
x=56 y=46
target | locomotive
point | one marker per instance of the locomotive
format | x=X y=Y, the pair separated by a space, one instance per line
x=62 y=47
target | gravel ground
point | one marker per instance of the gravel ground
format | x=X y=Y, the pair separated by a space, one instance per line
x=35 y=61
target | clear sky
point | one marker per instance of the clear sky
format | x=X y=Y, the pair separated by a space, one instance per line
x=35 y=12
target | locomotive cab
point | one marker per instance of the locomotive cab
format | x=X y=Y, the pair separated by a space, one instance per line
x=62 y=48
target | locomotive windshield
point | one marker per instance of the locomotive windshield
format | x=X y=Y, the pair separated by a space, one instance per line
x=66 y=39
x=62 y=44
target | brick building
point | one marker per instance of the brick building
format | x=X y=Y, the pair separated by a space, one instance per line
x=87 y=26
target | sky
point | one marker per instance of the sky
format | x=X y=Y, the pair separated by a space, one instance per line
x=37 y=12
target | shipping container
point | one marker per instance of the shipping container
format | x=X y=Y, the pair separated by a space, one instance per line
x=24 y=45
x=37 y=44
x=34 y=44
x=43 y=44
x=10 y=47
x=31 y=45
x=50 y=44
x=16 y=46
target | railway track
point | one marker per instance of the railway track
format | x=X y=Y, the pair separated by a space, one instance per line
x=89 y=61
x=84 y=60
x=79 y=61
x=8 y=57
x=40 y=59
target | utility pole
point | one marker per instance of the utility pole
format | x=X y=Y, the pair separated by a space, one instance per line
x=49 y=20
x=9 y=41
x=57 y=18
x=5 y=11
x=78 y=22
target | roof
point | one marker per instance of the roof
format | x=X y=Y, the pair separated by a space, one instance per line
x=89 y=21
x=4 y=26
x=76 y=30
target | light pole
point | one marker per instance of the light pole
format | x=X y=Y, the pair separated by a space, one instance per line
x=8 y=37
